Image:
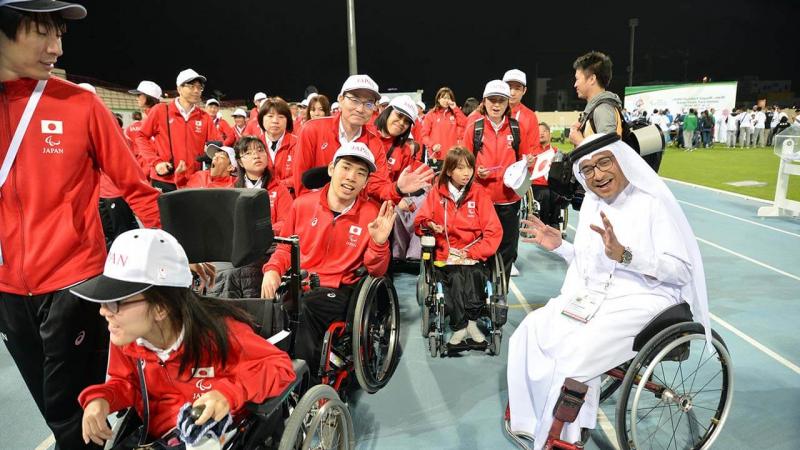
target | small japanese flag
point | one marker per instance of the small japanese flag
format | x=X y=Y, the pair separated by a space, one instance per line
x=355 y=230
x=52 y=127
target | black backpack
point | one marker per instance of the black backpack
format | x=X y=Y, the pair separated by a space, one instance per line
x=477 y=136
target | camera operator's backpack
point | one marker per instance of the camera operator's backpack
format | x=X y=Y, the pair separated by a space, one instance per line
x=626 y=131
x=477 y=136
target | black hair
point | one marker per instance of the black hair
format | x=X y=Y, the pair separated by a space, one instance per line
x=12 y=19
x=381 y=124
x=239 y=149
x=136 y=115
x=597 y=64
x=470 y=104
x=149 y=102
x=118 y=116
x=205 y=333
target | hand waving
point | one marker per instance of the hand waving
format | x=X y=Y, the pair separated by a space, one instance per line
x=535 y=231
x=612 y=246
x=380 y=228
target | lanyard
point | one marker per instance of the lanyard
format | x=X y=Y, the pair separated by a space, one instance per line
x=22 y=127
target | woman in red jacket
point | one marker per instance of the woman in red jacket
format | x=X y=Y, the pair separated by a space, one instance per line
x=468 y=232
x=181 y=347
x=443 y=126
x=275 y=120
x=393 y=126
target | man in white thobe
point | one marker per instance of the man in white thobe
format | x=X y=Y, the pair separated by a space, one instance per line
x=634 y=250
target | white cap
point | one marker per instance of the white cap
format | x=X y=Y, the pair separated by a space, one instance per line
x=212 y=149
x=354 y=82
x=515 y=75
x=311 y=96
x=421 y=104
x=188 y=75
x=334 y=105
x=147 y=88
x=406 y=106
x=497 y=87
x=304 y=103
x=259 y=96
x=88 y=87
x=138 y=260
x=358 y=150
x=516 y=177
x=212 y=101
x=384 y=100
x=70 y=11
x=239 y=112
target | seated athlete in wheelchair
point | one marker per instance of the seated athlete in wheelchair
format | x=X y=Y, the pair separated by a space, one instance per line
x=634 y=266
x=460 y=216
x=340 y=232
x=171 y=348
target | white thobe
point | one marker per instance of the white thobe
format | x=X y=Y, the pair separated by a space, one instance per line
x=548 y=346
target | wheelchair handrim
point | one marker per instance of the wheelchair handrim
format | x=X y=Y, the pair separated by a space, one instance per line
x=373 y=374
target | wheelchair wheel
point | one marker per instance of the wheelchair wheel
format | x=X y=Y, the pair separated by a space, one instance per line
x=433 y=344
x=319 y=421
x=426 y=320
x=676 y=391
x=609 y=384
x=376 y=334
x=496 y=342
x=498 y=275
x=422 y=284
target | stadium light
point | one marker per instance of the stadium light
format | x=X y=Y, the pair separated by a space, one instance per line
x=632 y=23
x=351 y=37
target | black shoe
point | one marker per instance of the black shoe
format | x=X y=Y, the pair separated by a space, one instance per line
x=456 y=349
x=476 y=345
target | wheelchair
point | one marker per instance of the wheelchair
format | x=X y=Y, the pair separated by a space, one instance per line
x=430 y=296
x=529 y=206
x=675 y=392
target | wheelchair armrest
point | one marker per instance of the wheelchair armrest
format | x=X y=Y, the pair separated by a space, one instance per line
x=269 y=406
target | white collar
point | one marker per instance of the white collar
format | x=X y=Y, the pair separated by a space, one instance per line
x=454 y=191
x=343 y=135
x=163 y=354
x=497 y=127
x=183 y=112
x=251 y=185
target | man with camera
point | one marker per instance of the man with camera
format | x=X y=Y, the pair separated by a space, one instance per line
x=601 y=115
x=176 y=131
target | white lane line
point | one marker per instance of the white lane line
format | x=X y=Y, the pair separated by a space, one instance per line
x=792 y=366
x=739 y=218
x=607 y=427
x=520 y=297
x=749 y=259
x=47 y=443
x=720 y=191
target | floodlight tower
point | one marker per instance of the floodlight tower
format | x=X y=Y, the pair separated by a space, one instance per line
x=351 y=37
x=632 y=23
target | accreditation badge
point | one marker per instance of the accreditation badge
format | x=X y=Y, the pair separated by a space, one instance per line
x=585 y=305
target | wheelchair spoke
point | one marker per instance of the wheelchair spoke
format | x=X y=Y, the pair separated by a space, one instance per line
x=651 y=410
x=691 y=385
x=674 y=432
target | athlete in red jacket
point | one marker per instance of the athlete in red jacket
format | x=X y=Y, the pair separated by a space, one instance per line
x=179 y=131
x=224 y=129
x=222 y=173
x=275 y=131
x=340 y=231
x=50 y=232
x=528 y=122
x=320 y=139
x=443 y=126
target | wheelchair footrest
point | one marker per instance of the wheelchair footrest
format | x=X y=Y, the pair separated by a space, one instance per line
x=499 y=310
x=570 y=400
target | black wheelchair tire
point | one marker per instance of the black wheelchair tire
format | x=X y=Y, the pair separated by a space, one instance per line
x=666 y=339
x=371 y=382
x=499 y=276
x=425 y=325
x=433 y=344
x=422 y=284
x=297 y=425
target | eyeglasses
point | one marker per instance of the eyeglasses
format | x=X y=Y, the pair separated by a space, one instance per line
x=114 y=307
x=195 y=87
x=358 y=102
x=253 y=153
x=603 y=164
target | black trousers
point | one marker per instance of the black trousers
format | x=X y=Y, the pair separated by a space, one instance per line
x=464 y=292
x=318 y=309
x=549 y=207
x=116 y=217
x=509 y=220
x=162 y=186
x=60 y=346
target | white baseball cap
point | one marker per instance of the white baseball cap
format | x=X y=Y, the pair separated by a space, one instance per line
x=259 y=96
x=384 y=100
x=516 y=177
x=88 y=87
x=334 y=105
x=70 y=11
x=188 y=75
x=497 y=87
x=406 y=106
x=212 y=149
x=304 y=103
x=358 y=150
x=138 y=260
x=515 y=75
x=421 y=104
x=147 y=88
x=212 y=101
x=239 y=112
x=355 y=82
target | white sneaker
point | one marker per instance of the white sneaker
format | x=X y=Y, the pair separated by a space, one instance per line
x=514 y=270
x=475 y=332
x=458 y=336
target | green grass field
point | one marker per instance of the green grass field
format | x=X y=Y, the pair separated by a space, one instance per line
x=717 y=166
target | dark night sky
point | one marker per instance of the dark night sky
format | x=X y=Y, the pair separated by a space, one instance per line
x=280 y=47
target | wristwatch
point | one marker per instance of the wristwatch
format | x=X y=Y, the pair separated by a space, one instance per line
x=626 y=256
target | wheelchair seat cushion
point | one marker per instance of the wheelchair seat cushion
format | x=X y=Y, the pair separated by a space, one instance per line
x=673 y=315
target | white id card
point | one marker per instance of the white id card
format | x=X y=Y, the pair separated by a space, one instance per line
x=584 y=306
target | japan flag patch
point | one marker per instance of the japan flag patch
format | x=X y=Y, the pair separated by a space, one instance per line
x=355 y=230
x=52 y=127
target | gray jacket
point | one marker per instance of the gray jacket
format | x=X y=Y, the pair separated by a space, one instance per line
x=604 y=117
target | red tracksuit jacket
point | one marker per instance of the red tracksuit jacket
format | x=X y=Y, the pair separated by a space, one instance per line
x=332 y=248
x=50 y=231
x=317 y=144
x=528 y=125
x=496 y=154
x=472 y=217
x=225 y=131
x=400 y=158
x=542 y=181
x=281 y=168
x=280 y=205
x=203 y=179
x=256 y=370
x=444 y=127
x=188 y=139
